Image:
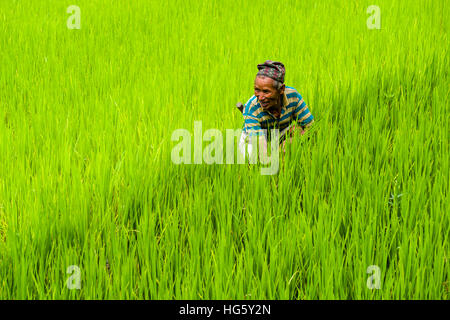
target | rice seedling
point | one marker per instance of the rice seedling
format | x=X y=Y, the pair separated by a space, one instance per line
x=93 y=207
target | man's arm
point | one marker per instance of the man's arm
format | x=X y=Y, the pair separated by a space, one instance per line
x=307 y=126
x=303 y=121
x=255 y=133
x=302 y=114
x=303 y=117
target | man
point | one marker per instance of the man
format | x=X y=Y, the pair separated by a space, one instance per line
x=273 y=106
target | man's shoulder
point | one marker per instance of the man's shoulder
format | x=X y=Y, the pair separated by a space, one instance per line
x=292 y=93
x=251 y=106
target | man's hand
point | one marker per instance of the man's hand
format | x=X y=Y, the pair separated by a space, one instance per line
x=295 y=129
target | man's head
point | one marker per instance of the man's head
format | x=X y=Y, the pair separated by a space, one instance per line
x=269 y=86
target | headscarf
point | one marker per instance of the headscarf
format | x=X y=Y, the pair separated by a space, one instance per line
x=272 y=69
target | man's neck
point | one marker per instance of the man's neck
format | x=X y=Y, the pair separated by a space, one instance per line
x=276 y=111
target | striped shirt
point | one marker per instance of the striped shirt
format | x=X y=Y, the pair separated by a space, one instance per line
x=256 y=120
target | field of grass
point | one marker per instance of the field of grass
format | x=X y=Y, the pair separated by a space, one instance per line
x=87 y=180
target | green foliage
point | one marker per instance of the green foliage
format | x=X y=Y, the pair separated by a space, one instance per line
x=86 y=178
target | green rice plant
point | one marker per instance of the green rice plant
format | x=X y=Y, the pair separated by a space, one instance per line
x=87 y=180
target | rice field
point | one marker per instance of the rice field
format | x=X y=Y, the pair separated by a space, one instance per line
x=93 y=207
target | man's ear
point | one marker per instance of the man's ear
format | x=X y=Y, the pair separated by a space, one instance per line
x=282 y=89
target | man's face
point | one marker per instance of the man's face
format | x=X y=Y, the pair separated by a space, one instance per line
x=267 y=95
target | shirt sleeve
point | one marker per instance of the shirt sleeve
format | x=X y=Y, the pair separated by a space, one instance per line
x=251 y=127
x=302 y=113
